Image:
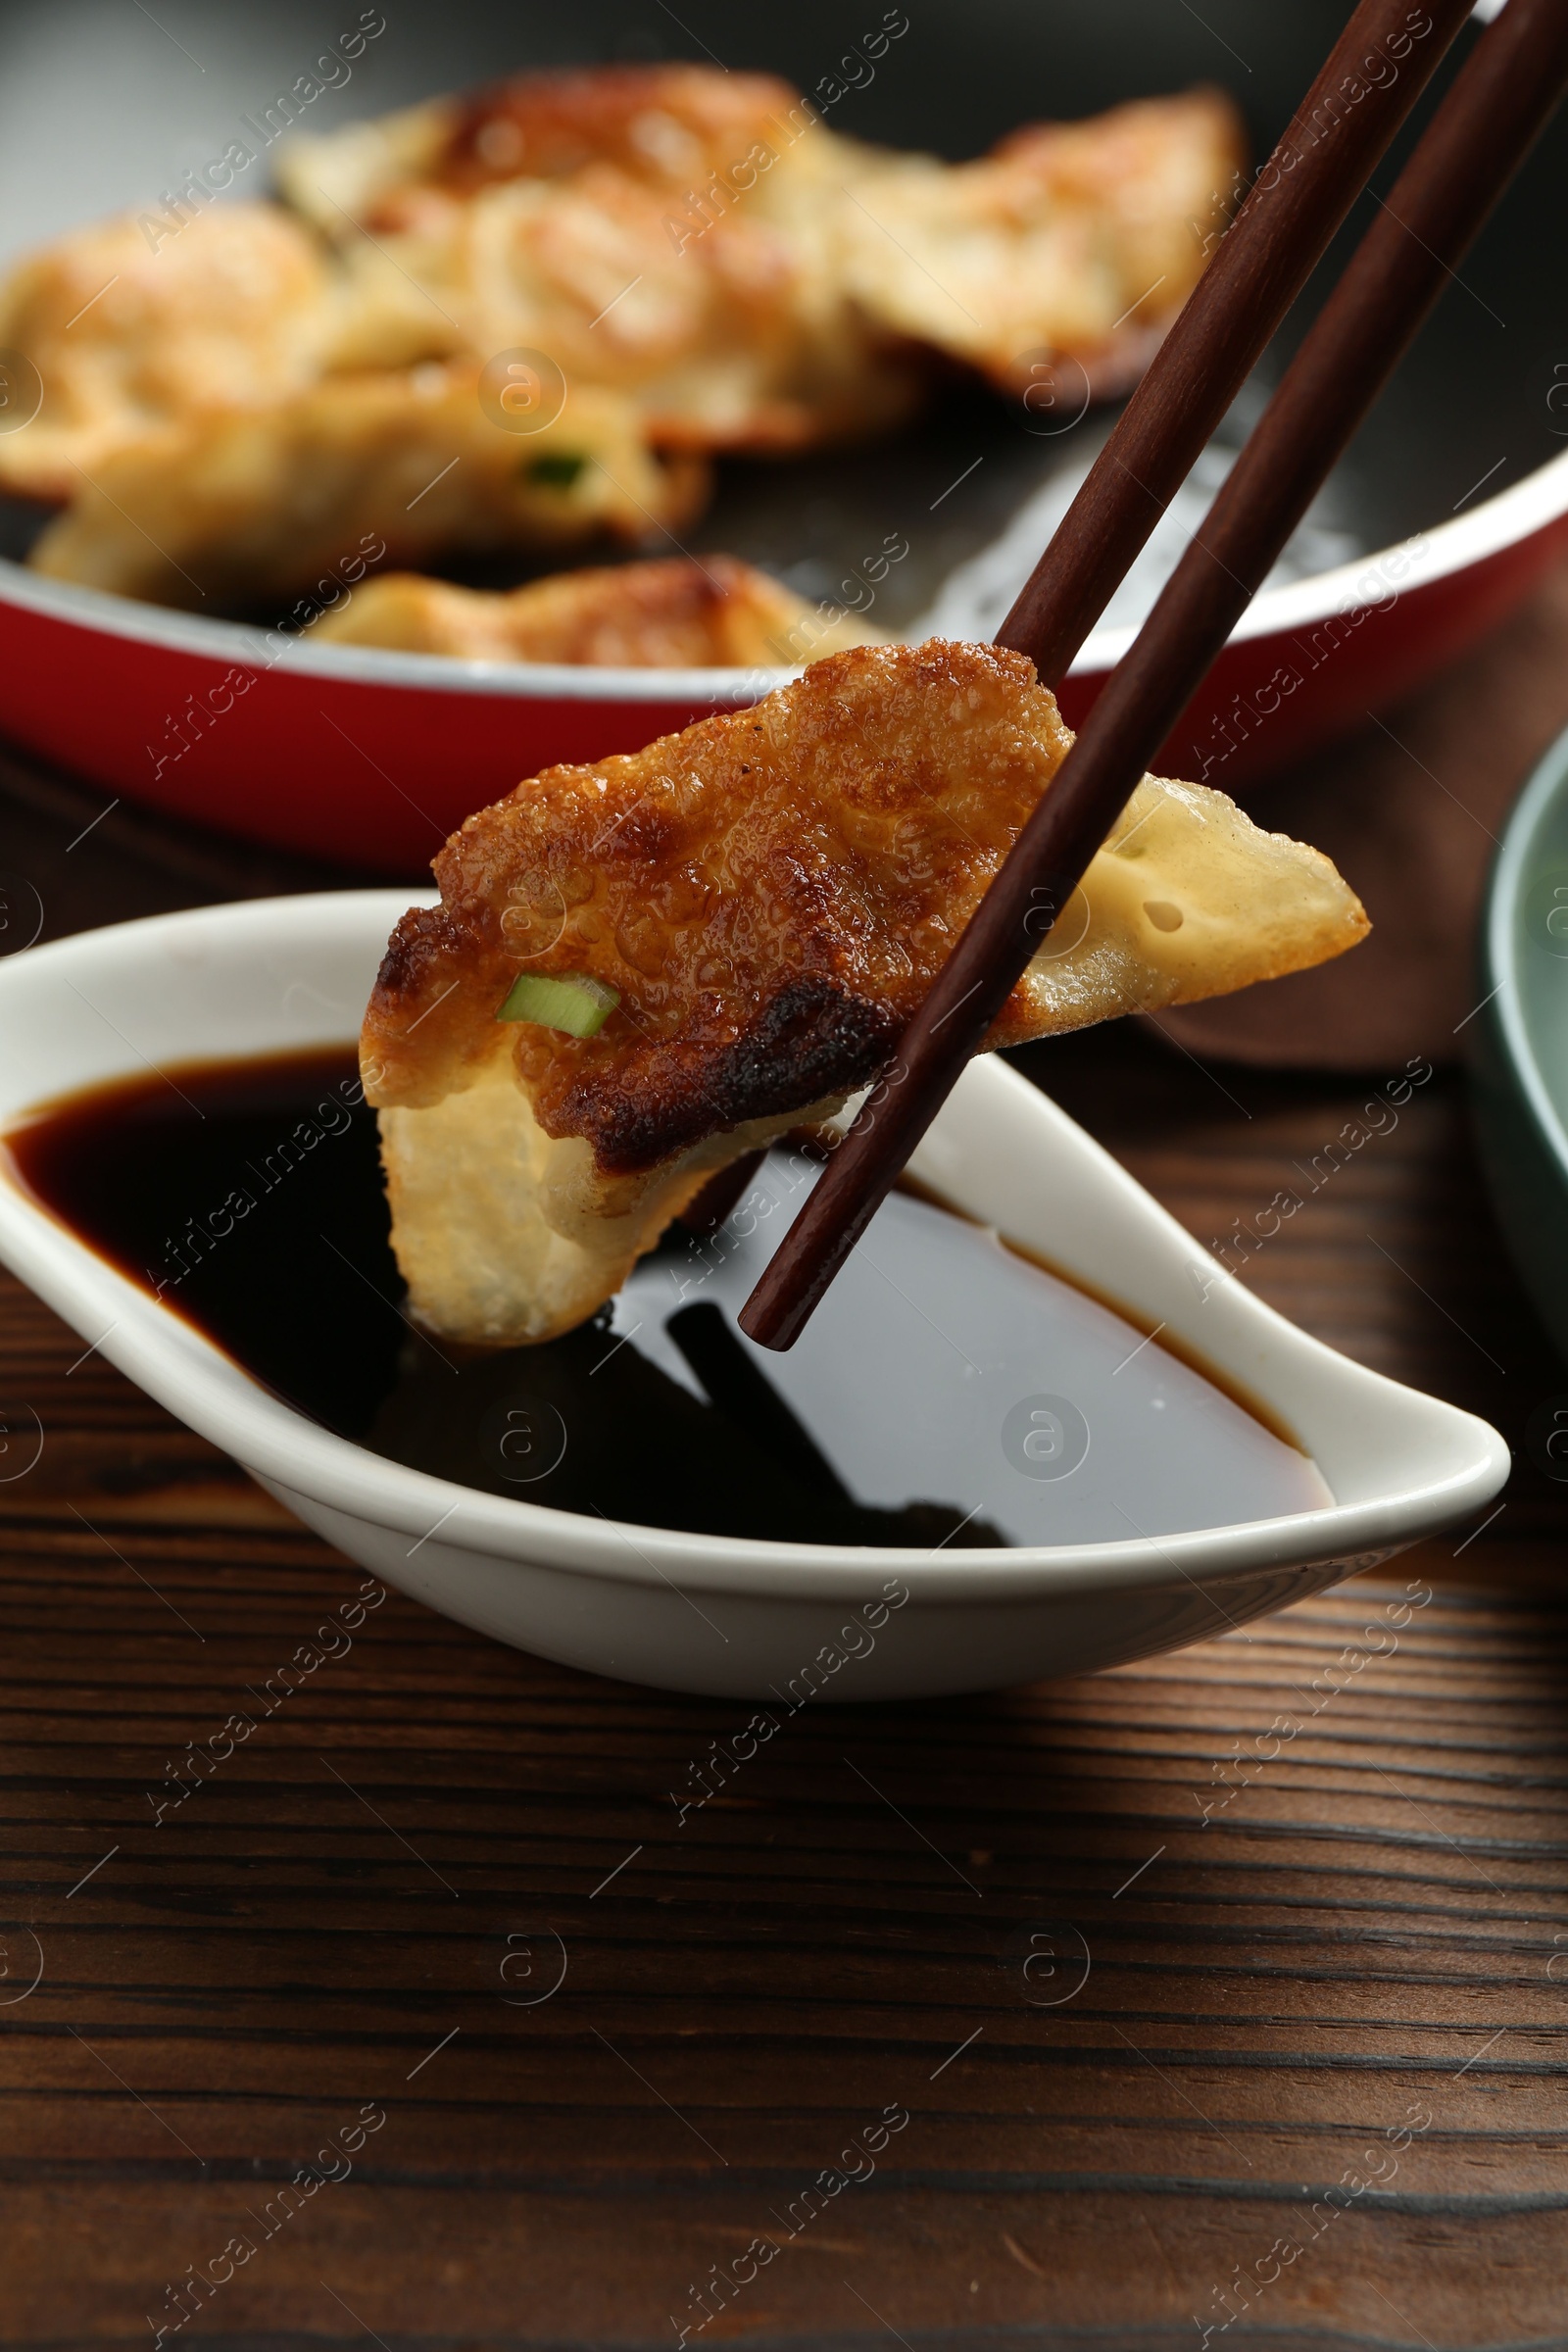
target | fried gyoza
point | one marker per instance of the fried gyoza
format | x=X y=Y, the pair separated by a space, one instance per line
x=699 y=246
x=686 y=613
x=1076 y=241
x=738 y=342
x=555 y=214
x=668 y=124
x=758 y=280
x=771 y=894
x=230 y=309
x=249 y=504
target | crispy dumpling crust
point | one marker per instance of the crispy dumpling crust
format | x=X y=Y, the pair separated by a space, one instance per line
x=561 y=212
x=671 y=125
x=772 y=892
x=668 y=124
x=682 y=612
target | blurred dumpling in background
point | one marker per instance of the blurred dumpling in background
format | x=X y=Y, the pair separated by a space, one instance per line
x=694 y=259
x=668 y=229
x=242 y=506
x=686 y=613
x=1076 y=241
x=233 y=311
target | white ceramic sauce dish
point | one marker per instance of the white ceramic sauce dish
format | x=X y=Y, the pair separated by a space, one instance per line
x=712 y=1614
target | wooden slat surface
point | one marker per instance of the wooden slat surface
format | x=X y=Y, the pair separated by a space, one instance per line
x=1363 y=1933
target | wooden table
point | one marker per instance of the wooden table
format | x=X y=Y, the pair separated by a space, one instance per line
x=1221 y=1983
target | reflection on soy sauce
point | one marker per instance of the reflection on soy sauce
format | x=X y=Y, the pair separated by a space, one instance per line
x=587 y=1423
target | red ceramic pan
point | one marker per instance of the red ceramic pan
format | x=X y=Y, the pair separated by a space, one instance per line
x=1457 y=491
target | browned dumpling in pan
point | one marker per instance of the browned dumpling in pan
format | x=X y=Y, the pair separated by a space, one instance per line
x=678 y=612
x=700 y=248
x=239 y=505
x=566 y=213
x=667 y=125
x=129 y=332
x=757 y=279
x=1072 y=242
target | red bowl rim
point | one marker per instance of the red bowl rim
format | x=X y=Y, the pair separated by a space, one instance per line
x=1506 y=520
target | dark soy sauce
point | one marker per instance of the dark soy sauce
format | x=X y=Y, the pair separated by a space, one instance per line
x=949 y=1392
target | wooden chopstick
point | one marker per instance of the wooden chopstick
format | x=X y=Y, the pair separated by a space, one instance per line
x=1479 y=136
x=1374 y=75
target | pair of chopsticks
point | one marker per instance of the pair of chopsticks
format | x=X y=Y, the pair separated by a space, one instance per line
x=1480 y=134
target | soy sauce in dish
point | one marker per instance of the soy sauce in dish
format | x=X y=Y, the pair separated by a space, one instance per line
x=950 y=1392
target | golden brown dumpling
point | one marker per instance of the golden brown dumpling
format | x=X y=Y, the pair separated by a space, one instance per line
x=759 y=281
x=129 y=336
x=1075 y=241
x=250 y=505
x=768 y=896
x=681 y=612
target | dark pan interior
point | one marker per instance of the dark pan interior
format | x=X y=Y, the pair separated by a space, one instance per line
x=103 y=106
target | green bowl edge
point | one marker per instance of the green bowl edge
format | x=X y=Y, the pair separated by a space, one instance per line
x=1522 y=1134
